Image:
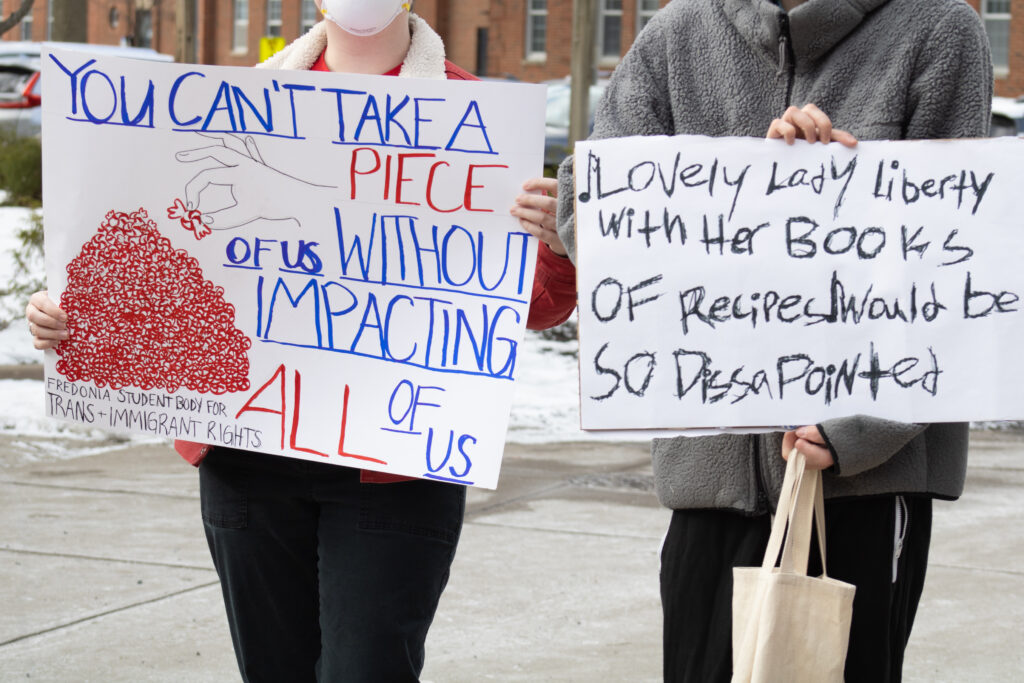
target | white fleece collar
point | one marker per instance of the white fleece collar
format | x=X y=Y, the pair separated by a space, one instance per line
x=425 y=58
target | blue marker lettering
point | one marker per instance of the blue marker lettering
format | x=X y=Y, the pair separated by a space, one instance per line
x=357 y=247
x=292 y=88
x=232 y=251
x=332 y=311
x=306 y=259
x=223 y=95
x=266 y=122
x=338 y=92
x=387 y=328
x=147 y=106
x=73 y=75
x=474 y=109
x=370 y=113
x=371 y=307
x=389 y=117
x=172 y=98
x=85 y=102
x=455 y=229
x=421 y=120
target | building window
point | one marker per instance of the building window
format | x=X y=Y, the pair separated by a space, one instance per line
x=26 y=26
x=240 y=37
x=49 y=20
x=996 y=14
x=536 y=29
x=274 y=18
x=610 y=29
x=143 y=28
x=645 y=9
x=310 y=15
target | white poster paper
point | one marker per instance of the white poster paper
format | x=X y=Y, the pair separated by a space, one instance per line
x=315 y=265
x=742 y=282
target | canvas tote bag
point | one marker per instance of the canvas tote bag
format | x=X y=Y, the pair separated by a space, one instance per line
x=788 y=627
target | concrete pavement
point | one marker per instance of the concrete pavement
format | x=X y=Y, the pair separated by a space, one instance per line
x=105 y=576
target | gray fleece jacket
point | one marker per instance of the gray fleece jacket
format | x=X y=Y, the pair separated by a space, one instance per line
x=881 y=69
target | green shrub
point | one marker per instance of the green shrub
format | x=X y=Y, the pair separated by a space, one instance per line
x=21 y=170
x=28 y=274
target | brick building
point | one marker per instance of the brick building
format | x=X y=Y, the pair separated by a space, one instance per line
x=108 y=23
x=524 y=39
x=532 y=39
x=1004 y=22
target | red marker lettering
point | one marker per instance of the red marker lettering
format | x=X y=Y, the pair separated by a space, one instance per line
x=354 y=171
x=248 y=407
x=468 y=200
x=430 y=189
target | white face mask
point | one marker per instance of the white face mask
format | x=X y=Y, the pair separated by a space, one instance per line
x=363 y=17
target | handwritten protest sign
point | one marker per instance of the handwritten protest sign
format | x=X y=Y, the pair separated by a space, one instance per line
x=315 y=265
x=741 y=282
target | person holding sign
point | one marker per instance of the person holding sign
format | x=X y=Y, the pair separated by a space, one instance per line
x=877 y=70
x=331 y=573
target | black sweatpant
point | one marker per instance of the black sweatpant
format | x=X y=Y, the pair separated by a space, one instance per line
x=702 y=547
x=326 y=578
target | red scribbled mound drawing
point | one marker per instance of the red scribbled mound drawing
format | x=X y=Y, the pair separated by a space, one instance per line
x=140 y=314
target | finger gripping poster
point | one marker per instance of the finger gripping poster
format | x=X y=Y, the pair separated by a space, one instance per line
x=727 y=282
x=314 y=265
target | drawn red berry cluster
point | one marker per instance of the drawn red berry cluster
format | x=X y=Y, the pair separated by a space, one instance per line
x=141 y=314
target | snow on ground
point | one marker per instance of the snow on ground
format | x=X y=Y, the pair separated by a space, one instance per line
x=12 y=218
x=13 y=349
x=16 y=346
x=545 y=405
x=22 y=410
x=12 y=352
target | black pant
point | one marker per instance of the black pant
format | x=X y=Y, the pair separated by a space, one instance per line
x=325 y=578
x=702 y=547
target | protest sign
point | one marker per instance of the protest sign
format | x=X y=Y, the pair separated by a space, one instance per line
x=728 y=282
x=315 y=265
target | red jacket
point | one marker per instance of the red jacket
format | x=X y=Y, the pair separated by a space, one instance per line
x=552 y=301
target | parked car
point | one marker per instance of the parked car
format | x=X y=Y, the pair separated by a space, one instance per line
x=556 y=132
x=20 y=96
x=20 y=83
x=1007 y=116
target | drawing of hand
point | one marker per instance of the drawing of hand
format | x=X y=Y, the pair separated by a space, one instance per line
x=252 y=189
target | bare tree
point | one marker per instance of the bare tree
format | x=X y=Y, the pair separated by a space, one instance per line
x=16 y=16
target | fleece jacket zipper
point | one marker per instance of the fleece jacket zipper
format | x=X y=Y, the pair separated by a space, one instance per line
x=787 y=61
x=762 y=490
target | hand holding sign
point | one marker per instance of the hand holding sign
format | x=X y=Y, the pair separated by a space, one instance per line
x=47 y=323
x=809 y=123
x=536 y=209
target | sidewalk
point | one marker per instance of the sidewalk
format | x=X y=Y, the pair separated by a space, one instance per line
x=105 y=576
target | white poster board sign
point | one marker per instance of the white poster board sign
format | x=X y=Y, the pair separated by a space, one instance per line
x=729 y=282
x=315 y=265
